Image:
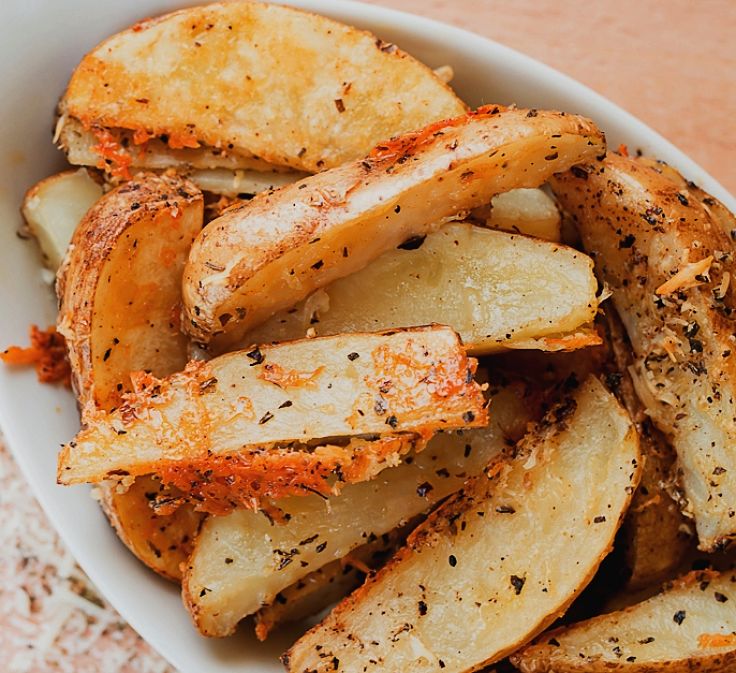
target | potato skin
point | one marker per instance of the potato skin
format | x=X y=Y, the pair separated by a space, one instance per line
x=264 y=81
x=97 y=287
x=669 y=262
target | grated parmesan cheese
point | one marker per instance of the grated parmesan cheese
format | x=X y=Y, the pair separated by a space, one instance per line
x=686 y=277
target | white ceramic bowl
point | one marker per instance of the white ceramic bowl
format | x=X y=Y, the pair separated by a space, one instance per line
x=40 y=43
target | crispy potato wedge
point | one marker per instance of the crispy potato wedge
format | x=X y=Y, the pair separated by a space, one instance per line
x=526 y=211
x=689 y=627
x=329 y=584
x=219 y=594
x=468 y=277
x=668 y=263
x=269 y=253
x=122 y=280
x=499 y=561
x=237 y=429
x=309 y=102
x=655 y=534
x=54 y=207
x=146 y=225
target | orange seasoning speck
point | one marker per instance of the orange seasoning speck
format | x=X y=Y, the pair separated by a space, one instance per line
x=408 y=143
x=706 y=640
x=178 y=141
x=113 y=158
x=47 y=353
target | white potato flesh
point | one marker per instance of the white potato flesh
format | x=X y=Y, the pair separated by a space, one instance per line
x=235 y=412
x=54 y=207
x=235 y=182
x=498 y=562
x=493 y=288
x=273 y=251
x=526 y=211
x=220 y=594
x=690 y=627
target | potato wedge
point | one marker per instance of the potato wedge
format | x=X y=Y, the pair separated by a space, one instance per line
x=220 y=594
x=464 y=276
x=691 y=626
x=669 y=263
x=329 y=584
x=54 y=207
x=146 y=225
x=265 y=81
x=237 y=429
x=497 y=562
x=269 y=253
x=655 y=534
x=526 y=211
x=121 y=281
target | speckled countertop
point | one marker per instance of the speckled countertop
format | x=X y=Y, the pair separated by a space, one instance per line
x=670 y=63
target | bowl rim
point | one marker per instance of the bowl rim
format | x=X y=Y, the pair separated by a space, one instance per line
x=430 y=31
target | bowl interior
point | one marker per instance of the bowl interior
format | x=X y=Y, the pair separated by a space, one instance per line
x=42 y=42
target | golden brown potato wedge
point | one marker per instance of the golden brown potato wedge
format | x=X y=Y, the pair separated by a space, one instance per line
x=219 y=593
x=261 y=82
x=668 y=263
x=121 y=281
x=269 y=253
x=54 y=207
x=499 y=561
x=329 y=584
x=123 y=274
x=689 y=627
x=655 y=534
x=493 y=288
x=256 y=424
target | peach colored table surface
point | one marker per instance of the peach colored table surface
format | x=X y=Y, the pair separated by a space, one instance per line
x=672 y=63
